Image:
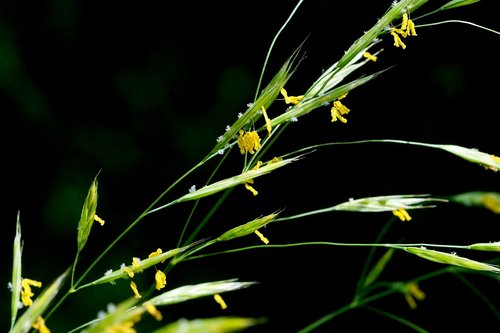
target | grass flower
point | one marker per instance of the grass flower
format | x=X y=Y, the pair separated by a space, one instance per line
x=218 y=298
x=329 y=88
x=133 y=286
x=153 y=311
x=488 y=200
x=451 y=259
x=247 y=228
x=39 y=325
x=261 y=237
x=87 y=217
x=290 y=99
x=268 y=121
x=402 y=214
x=210 y=325
x=161 y=280
x=249 y=142
x=413 y=293
x=369 y=56
x=338 y=109
x=189 y=292
x=243 y=178
x=27 y=293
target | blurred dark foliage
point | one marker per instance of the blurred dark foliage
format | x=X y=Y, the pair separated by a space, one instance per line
x=140 y=90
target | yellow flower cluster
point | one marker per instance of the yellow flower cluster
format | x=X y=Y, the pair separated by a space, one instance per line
x=339 y=109
x=402 y=214
x=249 y=142
x=407 y=29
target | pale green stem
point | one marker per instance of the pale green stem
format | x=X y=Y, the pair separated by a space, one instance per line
x=396 y=318
x=458 y=21
x=362 y=278
x=268 y=246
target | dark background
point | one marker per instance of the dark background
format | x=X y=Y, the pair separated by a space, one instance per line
x=140 y=90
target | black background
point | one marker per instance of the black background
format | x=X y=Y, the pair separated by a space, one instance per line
x=140 y=90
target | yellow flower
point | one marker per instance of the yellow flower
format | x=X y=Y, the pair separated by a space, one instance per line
x=247 y=184
x=397 y=40
x=26 y=293
x=250 y=188
x=408 y=26
x=370 y=56
x=291 y=99
x=125 y=327
x=135 y=262
x=339 y=109
x=153 y=311
x=268 y=121
x=262 y=237
x=161 y=280
x=98 y=219
x=39 y=324
x=412 y=292
x=491 y=202
x=129 y=271
x=402 y=214
x=248 y=142
x=133 y=286
x=157 y=252
x=218 y=299
x=407 y=29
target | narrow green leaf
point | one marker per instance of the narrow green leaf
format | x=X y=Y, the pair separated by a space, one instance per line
x=16 y=272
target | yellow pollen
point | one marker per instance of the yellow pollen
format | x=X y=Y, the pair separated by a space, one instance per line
x=370 y=56
x=341 y=107
x=402 y=214
x=251 y=189
x=161 y=280
x=491 y=202
x=248 y=142
x=412 y=292
x=268 y=121
x=411 y=28
x=153 y=311
x=39 y=324
x=220 y=301
x=129 y=271
x=133 y=286
x=262 y=237
x=135 y=262
x=154 y=254
x=397 y=40
x=404 y=24
x=98 y=219
x=291 y=99
x=26 y=292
